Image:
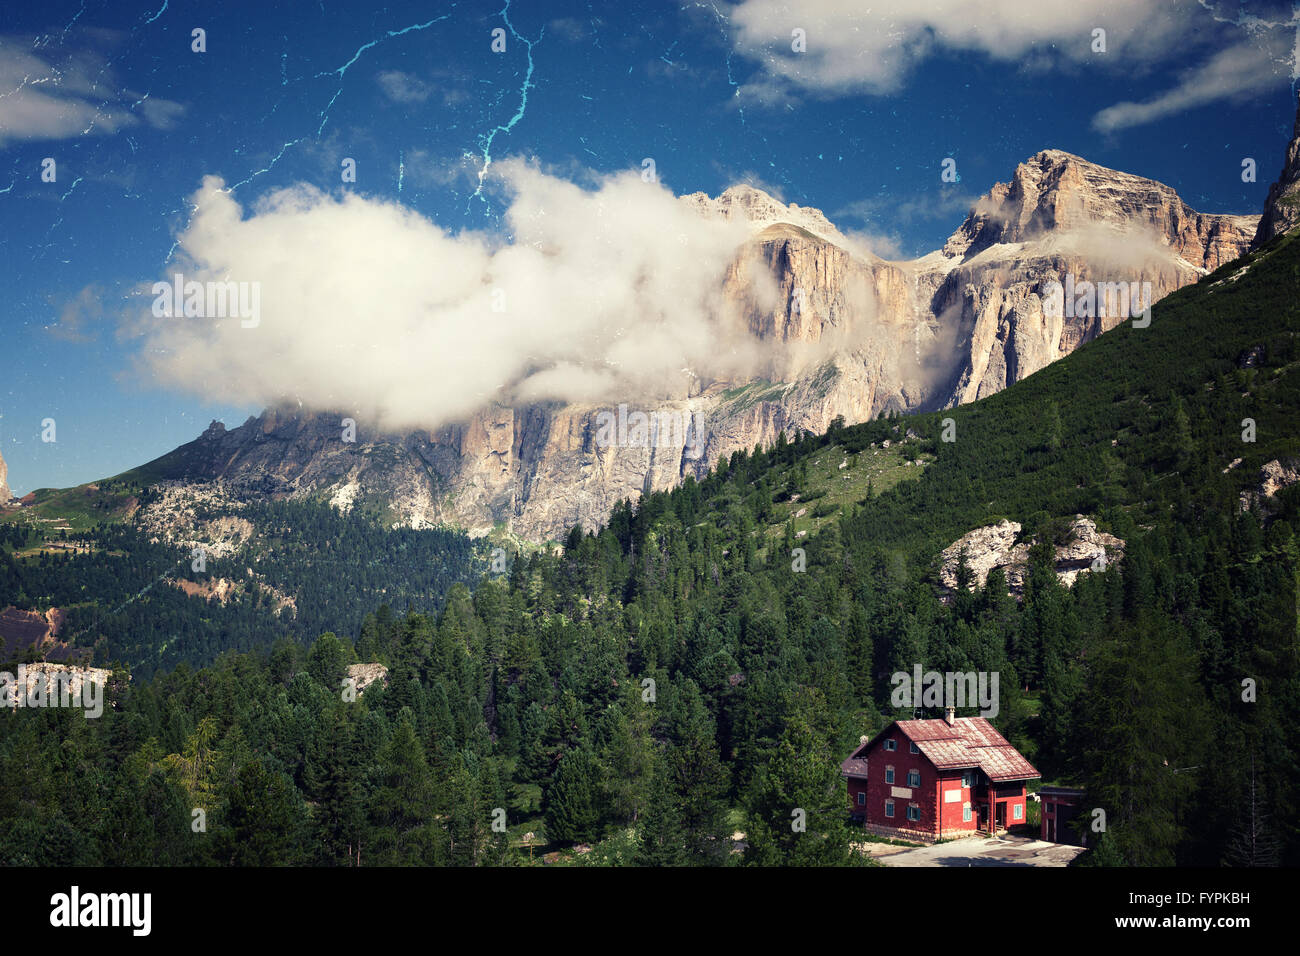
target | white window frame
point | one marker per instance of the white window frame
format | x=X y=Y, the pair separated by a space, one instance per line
x=913 y=748
x=862 y=798
x=889 y=775
x=913 y=778
x=889 y=809
x=917 y=810
x=1020 y=812
x=891 y=744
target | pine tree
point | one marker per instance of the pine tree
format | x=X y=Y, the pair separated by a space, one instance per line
x=798 y=811
x=662 y=840
x=262 y=820
x=571 y=806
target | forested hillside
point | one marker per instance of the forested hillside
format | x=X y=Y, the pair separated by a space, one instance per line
x=306 y=569
x=676 y=677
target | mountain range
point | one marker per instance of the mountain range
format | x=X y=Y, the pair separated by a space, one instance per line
x=844 y=334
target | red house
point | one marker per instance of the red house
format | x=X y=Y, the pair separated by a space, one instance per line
x=931 y=779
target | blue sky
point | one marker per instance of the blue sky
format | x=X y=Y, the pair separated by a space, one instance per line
x=857 y=124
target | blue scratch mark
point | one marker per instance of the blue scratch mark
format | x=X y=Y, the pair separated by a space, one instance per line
x=401 y=171
x=159 y=13
x=490 y=138
x=70 y=189
x=265 y=169
x=73 y=21
x=9 y=187
x=341 y=72
x=325 y=115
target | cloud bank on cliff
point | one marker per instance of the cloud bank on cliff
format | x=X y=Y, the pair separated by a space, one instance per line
x=612 y=293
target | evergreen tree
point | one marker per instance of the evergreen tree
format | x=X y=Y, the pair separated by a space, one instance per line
x=572 y=809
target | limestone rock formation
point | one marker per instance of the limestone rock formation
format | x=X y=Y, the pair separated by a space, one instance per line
x=1273 y=477
x=51 y=684
x=1282 y=208
x=1083 y=549
x=984 y=549
x=5 y=493
x=1063 y=220
x=841 y=333
x=367 y=674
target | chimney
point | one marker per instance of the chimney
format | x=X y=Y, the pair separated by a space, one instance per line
x=950 y=715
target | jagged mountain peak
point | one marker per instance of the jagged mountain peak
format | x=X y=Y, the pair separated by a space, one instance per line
x=761 y=210
x=1058 y=192
x=1282 y=208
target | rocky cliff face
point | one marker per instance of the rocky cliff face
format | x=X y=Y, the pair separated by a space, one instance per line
x=842 y=332
x=5 y=493
x=1083 y=549
x=363 y=675
x=1282 y=208
x=1064 y=220
x=1273 y=477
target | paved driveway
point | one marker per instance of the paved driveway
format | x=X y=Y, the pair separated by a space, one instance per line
x=976 y=851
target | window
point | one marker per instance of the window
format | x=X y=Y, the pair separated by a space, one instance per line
x=889 y=775
x=862 y=799
x=913 y=778
x=891 y=744
x=889 y=808
x=913 y=748
x=914 y=813
x=1020 y=811
x=967 y=779
x=965 y=812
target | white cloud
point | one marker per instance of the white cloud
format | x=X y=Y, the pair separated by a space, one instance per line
x=1239 y=71
x=611 y=293
x=404 y=87
x=59 y=95
x=855 y=48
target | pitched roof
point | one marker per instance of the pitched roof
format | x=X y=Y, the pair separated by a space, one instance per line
x=854 y=767
x=967 y=742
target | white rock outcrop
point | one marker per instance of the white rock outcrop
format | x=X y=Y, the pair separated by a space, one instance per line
x=996 y=546
x=367 y=674
x=1273 y=477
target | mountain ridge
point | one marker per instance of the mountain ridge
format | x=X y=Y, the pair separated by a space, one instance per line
x=844 y=334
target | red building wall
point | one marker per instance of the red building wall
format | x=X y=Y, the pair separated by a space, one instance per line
x=940 y=796
x=924 y=795
x=949 y=782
